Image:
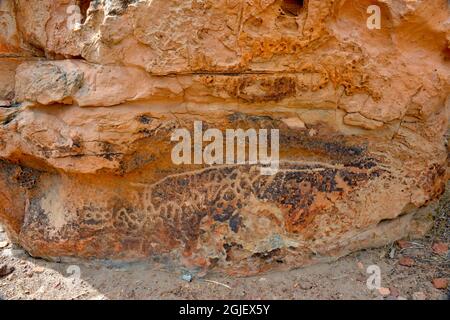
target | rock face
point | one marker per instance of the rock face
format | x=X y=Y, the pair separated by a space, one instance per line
x=92 y=91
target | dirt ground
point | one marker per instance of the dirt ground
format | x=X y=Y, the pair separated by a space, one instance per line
x=407 y=271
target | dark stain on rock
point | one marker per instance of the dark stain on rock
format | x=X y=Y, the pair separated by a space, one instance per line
x=362 y=163
x=145 y=119
x=107 y=151
x=27 y=177
x=267 y=256
x=251 y=119
x=9 y=118
x=337 y=148
x=222 y=193
x=235 y=223
x=251 y=89
x=223 y=215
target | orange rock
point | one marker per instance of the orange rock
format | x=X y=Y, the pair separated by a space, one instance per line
x=384 y=291
x=440 y=283
x=88 y=114
x=403 y=244
x=440 y=248
x=406 y=261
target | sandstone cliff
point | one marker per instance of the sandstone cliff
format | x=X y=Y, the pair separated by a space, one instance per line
x=91 y=91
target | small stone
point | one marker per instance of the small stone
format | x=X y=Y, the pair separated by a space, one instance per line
x=394 y=292
x=186 y=277
x=406 y=261
x=305 y=286
x=360 y=265
x=440 y=283
x=440 y=248
x=38 y=270
x=419 y=295
x=3 y=244
x=5 y=270
x=384 y=291
x=401 y=298
x=403 y=244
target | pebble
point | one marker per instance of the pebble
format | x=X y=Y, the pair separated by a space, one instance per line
x=403 y=244
x=384 y=291
x=5 y=270
x=440 y=283
x=38 y=270
x=419 y=295
x=3 y=244
x=361 y=278
x=440 y=248
x=186 y=277
x=401 y=298
x=305 y=285
x=406 y=261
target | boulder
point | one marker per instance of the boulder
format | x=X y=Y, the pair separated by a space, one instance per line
x=92 y=93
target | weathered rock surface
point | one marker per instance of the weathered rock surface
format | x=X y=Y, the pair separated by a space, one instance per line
x=87 y=112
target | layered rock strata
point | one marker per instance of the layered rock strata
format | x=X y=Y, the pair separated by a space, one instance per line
x=92 y=91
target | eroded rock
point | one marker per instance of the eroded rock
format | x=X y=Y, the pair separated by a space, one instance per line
x=89 y=103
